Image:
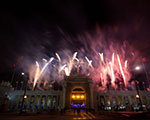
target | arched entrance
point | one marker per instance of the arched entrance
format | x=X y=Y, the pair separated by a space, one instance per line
x=77 y=90
x=78 y=96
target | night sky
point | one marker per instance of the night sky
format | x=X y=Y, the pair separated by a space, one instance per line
x=28 y=26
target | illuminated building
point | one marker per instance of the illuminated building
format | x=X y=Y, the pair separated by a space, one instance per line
x=76 y=89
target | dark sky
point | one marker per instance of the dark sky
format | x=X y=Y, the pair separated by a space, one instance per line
x=38 y=24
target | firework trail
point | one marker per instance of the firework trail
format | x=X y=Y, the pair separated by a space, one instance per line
x=89 y=62
x=44 y=60
x=112 y=74
x=113 y=58
x=62 y=68
x=105 y=69
x=126 y=64
x=74 y=56
x=101 y=57
x=51 y=59
x=58 y=57
x=112 y=70
x=38 y=73
x=110 y=63
x=68 y=67
x=121 y=69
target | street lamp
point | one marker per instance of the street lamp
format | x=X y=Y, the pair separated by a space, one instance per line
x=137 y=68
x=24 y=95
x=137 y=96
x=147 y=77
x=22 y=73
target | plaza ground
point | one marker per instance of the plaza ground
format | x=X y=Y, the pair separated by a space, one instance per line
x=69 y=115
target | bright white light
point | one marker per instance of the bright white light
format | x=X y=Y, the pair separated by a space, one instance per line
x=25 y=97
x=137 y=96
x=22 y=73
x=137 y=68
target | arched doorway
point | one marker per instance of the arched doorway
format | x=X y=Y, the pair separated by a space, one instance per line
x=78 y=97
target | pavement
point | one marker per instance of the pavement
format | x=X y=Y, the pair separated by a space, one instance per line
x=141 y=115
x=69 y=115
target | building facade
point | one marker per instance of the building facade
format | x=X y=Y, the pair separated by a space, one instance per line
x=76 y=90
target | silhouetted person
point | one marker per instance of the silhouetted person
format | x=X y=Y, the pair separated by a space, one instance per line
x=86 y=110
x=78 y=111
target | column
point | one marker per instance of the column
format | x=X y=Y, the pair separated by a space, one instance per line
x=37 y=102
x=64 y=94
x=27 y=101
x=49 y=100
x=56 y=101
x=46 y=97
x=91 y=97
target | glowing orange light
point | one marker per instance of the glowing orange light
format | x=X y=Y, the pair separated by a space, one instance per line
x=78 y=96
x=73 y=96
x=137 y=96
x=82 y=96
x=25 y=97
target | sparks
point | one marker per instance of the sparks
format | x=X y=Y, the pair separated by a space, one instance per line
x=74 y=56
x=89 y=62
x=38 y=72
x=126 y=64
x=101 y=57
x=67 y=71
x=112 y=74
x=51 y=59
x=113 y=58
x=121 y=70
x=44 y=60
x=62 y=68
x=58 y=57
